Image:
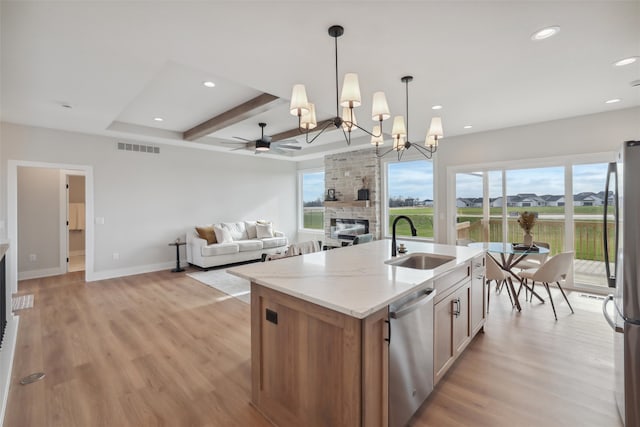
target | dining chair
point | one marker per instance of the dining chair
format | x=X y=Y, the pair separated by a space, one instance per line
x=534 y=260
x=554 y=270
x=493 y=272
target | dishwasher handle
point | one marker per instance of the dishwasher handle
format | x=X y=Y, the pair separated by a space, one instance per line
x=413 y=305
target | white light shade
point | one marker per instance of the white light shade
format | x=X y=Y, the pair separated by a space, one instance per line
x=299 y=102
x=398 y=127
x=348 y=115
x=398 y=143
x=430 y=141
x=435 y=130
x=350 y=91
x=380 y=108
x=308 y=120
x=377 y=140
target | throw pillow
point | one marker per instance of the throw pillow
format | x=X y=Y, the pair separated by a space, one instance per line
x=222 y=234
x=207 y=234
x=250 y=226
x=264 y=230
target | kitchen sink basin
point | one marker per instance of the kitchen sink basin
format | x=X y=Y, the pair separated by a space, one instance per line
x=420 y=261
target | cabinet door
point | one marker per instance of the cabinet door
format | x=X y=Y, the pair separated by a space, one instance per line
x=461 y=318
x=442 y=334
x=478 y=295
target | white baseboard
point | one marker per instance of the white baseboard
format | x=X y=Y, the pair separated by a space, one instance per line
x=129 y=271
x=6 y=361
x=36 y=274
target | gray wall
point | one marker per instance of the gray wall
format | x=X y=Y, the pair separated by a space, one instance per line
x=148 y=200
x=39 y=219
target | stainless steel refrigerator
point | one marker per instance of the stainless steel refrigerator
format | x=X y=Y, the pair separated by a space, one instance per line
x=623 y=183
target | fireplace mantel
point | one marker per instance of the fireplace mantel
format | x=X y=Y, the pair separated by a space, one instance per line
x=347 y=203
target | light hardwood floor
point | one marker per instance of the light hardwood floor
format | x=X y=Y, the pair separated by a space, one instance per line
x=161 y=349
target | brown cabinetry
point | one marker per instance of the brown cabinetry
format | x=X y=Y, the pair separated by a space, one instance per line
x=313 y=366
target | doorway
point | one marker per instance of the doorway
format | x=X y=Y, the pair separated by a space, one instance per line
x=76 y=222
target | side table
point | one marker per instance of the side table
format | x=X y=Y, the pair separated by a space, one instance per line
x=177 y=245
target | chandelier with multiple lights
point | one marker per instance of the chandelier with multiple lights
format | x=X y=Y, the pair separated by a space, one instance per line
x=400 y=133
x=348 y=100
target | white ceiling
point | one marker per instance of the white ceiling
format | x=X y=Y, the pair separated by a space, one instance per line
x=120 y=64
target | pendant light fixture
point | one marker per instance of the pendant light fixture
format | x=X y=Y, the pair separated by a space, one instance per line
x=400 y=133
x=349 y=99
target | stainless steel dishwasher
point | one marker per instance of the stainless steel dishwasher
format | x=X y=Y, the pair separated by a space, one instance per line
x=410 y=354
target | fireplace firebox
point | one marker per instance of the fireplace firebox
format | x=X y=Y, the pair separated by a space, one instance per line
x=348 y=229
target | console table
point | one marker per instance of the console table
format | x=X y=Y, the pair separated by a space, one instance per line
x=177 y=245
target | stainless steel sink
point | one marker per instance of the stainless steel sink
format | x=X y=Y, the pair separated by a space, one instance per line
x=421 y=261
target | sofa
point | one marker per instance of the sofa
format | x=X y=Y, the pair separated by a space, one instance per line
x=211 y=245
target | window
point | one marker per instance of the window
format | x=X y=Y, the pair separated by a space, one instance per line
x=410 y=193
x=312 y=196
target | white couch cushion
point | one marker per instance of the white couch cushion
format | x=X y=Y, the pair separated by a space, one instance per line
x=223 y=235
x=250 y=226
x=264 y=230
x=249 y=245
x=237 y=230
x=273 y=242
x=220 y=249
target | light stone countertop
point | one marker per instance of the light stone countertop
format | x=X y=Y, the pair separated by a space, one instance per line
x=353 y=280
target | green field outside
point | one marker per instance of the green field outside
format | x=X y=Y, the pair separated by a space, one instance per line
x=314 y=220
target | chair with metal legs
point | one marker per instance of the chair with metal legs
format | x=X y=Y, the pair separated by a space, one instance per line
x=495 y=273
x=554 y=270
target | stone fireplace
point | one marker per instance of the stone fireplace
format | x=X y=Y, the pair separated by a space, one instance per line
x=347 y=173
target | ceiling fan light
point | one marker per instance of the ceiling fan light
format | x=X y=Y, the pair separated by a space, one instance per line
x=348 y=119
x=398 y=127
x=308 y=120
x=350 y=96
x=380 y=108
x=377 y=140
x=299 y=103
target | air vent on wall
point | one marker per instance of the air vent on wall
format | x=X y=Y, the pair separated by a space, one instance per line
x=138 y=147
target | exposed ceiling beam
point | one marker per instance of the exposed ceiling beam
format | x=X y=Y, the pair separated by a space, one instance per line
x=295 y=132
x=250 y=108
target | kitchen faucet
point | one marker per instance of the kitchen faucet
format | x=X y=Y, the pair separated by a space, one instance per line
x=393 y=235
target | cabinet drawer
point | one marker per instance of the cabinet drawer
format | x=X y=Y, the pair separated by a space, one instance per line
x=446 y=284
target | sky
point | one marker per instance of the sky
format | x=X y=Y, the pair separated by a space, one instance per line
x=414 y=179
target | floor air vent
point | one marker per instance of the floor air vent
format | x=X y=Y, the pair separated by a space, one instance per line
x=591 y=296
x=138 y=147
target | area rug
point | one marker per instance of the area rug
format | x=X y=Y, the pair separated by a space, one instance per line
x=21 y=302
x=225 y=282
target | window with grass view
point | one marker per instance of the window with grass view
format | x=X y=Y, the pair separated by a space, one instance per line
x=312 y=200
x=410 y=191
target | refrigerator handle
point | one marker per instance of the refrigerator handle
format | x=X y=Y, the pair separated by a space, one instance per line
x=612 y=170
x=608 y=318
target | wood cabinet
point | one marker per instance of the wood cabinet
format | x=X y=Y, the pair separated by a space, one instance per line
x=313 y=366
x=478 y=294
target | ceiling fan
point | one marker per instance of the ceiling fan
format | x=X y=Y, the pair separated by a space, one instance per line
x=264 y=144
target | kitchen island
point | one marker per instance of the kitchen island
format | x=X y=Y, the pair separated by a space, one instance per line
x=319 y=328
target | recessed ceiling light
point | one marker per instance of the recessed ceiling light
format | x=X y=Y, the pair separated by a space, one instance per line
x=625 y=61
x=209 y=84
x=468 y=127
x=437 y=107
x=613 y=101
x=545 y=33
x=158 y=119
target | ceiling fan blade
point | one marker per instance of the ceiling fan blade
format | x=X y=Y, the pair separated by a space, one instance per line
x=239 y=148
x=243 y=139
x=289 y=147
x=277 y=150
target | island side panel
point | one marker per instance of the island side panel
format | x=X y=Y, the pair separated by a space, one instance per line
x=306 y=368
x=375 y=369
